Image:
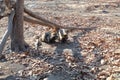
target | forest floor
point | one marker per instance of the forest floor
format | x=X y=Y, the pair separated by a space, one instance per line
x=89 y=55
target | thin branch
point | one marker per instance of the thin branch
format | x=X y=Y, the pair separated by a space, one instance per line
x=8 y=32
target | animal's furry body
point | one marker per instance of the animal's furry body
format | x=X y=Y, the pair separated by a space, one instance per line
x=51 y=37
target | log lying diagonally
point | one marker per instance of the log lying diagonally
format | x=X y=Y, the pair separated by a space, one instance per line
x=42 y=21
x=8 y=32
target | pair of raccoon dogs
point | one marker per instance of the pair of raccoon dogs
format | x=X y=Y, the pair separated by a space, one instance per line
x=53 y=36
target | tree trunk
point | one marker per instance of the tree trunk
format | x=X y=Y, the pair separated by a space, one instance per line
x=17 y=38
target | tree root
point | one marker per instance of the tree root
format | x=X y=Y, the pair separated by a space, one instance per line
x=18 y=47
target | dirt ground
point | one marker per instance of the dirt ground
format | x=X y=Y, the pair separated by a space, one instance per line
x=89 y=55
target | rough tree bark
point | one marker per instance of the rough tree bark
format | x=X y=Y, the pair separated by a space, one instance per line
x=17 y=38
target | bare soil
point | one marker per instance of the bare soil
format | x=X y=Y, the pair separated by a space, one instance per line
x=89 y=55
